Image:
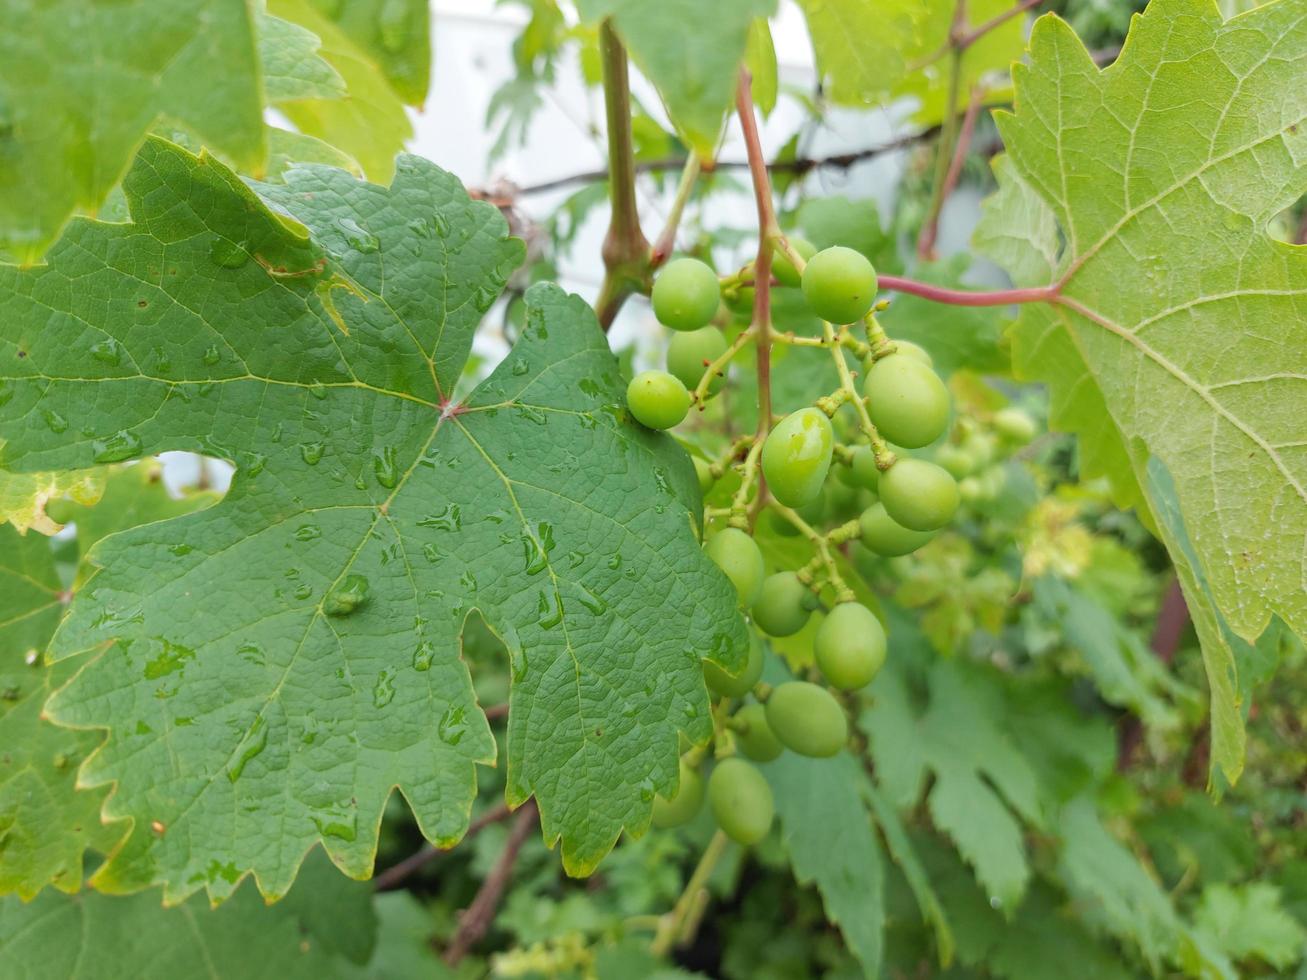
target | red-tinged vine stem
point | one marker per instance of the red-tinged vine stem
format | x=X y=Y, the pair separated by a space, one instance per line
x=769 y=230
x=625 y=249
x=930 y=229
x=1172 y=619
x=474 y=922
x=393 y=876
x=961 y=297
x=995 y=22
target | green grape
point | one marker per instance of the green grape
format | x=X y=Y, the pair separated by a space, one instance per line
x=782 y=606
x=740 y=301
x=807 y=719
x=919 y=495
x=839 y=284
x=981 y=447
x=883 y=535
x=994 y=480
x=738 y=556
x=741 y=801
x=956 y=460
x=781 y=266
x=657 y=399
x=850 y=646
x=686 y=294
x=690 y=353
x=1014 y=425
x=842 y=502
x=796 y=456
x=908 y=349
x=754 y=736
x=862 y=470
x=973 y=490
x=703 y=470
x=728 y=686
x=682 y=807
x=906 y=401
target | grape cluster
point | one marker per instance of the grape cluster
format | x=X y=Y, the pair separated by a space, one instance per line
x=819 y=467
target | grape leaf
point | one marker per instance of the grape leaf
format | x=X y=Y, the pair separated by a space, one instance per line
x=827 y=830
x=291 y=66
x=397 y=36
x=286 y=658
x=886 y=33
x=691 y=51
x=1163 y=202
x=45 y=823
x=370 y=125
x=900 y=50
x=23 y=496
x=1249 y=923
x=322 y=930
x=81 y=84
x=980 y=777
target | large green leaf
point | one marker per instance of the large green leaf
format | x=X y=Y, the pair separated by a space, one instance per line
x=1157 y=347
x=396 y=33
x=286 y=658
x=45 y=822
x=82 y=83
x=690 y=50
x=323 y=930
x=827 y=829
x=371 y=124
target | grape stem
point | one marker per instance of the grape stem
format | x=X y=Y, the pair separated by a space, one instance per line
x=879 y=448
x=666 y=241
x=824 y=560
x=718 y=367
x=768 y=231
x=625 y=249
x=671 y=926
x=740 y=509
x=961 y=297
x=930 y=228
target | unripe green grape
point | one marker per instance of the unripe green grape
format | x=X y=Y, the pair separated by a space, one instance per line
x=839 y=284
x=703 y=470
x=885 y=536
x=781 y=266
x=994 y=480
x=686 y=294
x=807 y=719
x=738 y=556
x=862 y=470
x=728 y=686
x=980 y=446
x=842 y=502
x=754 y=736
x=657 y=400
x=689 y=354
x=741 y=801
x=956 y=460
x=973 y=490
x=1014 y=425
x=740 y=301
x=781 y=609
x=850 y=646
x=906 y=400
x=682 y=807
x=908 y=349
x=919 y=495
x=796 y=456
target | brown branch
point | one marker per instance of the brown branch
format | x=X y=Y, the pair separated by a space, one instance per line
x=394 y=875
x=1172 y=619
x=474 y=922
x=496 y=711
x=930 y=230
x=799 y=166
